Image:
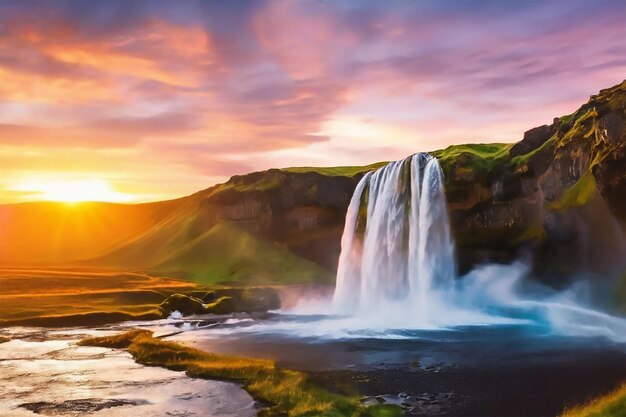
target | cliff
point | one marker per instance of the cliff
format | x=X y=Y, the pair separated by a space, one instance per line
x=558 y=195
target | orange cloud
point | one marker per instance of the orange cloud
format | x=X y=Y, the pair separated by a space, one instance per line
x=24 y=87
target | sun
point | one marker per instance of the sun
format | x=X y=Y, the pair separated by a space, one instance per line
x=74 y=191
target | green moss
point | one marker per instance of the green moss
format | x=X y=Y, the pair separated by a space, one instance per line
x=487 y=151
x=584 y=126
x=577 y=195
x=471 y=162
x=229 y=254
x=384 y=411
x=222 y=305
x=289 y=393
x=346 y=171
x=566 y=120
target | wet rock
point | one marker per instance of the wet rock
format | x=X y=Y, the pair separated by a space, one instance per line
x=76 y=407
x=370 y=401
x=184 y=304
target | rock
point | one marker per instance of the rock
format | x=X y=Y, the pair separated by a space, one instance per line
x=369 y=402
x=222 y=301
x=223 y=305
x=533 y=139
x=184 y=304
x=558 y=196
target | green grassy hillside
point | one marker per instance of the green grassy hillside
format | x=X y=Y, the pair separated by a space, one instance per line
x=228 y=254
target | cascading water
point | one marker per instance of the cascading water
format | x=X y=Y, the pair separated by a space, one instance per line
x=396 y=245
x=397 y=266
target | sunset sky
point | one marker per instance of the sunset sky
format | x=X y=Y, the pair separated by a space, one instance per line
x=147 y=100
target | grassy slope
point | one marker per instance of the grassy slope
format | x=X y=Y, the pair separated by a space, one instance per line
x=287 y=392
x=47 y=232
x=486 y=151
x=229 y=254
x=610 y=405
x=345 y=171
x=80 y=297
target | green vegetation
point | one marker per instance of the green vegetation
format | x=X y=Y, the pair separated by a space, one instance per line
x=584 y=126
x=227 y=254
x=472 y=161
x=577 y=195
x=118 y=341
x=610 y=405
x=488 y=151
x=289 y=393
x=347 y=171
x=81 y=297
x=523 y=159
x=468 y=170
x=265 y=180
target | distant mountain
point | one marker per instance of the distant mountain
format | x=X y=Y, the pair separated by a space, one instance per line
x=558 y=196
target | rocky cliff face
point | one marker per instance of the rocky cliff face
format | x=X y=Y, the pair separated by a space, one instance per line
x=558 y=196
x=304 y=211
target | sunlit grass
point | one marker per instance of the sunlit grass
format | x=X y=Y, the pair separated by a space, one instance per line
x=80 y=297
x=610 y=405
x=287 y=392
x=344 y=171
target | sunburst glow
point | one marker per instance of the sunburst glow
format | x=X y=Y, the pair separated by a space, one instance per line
x=74 y=191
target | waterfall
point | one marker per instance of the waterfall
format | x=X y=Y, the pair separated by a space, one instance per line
x=396 y=245
x=397 y=268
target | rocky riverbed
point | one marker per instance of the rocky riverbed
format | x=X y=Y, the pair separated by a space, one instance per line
x=45 y=373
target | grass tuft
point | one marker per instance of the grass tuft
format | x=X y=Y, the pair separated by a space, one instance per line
x=118 y=341
x=611 y=405
x=288 y=393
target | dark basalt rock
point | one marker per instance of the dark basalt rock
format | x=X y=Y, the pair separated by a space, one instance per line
x=184 y=304
x=77 y=407
x=558 y=197
x=533 y=139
